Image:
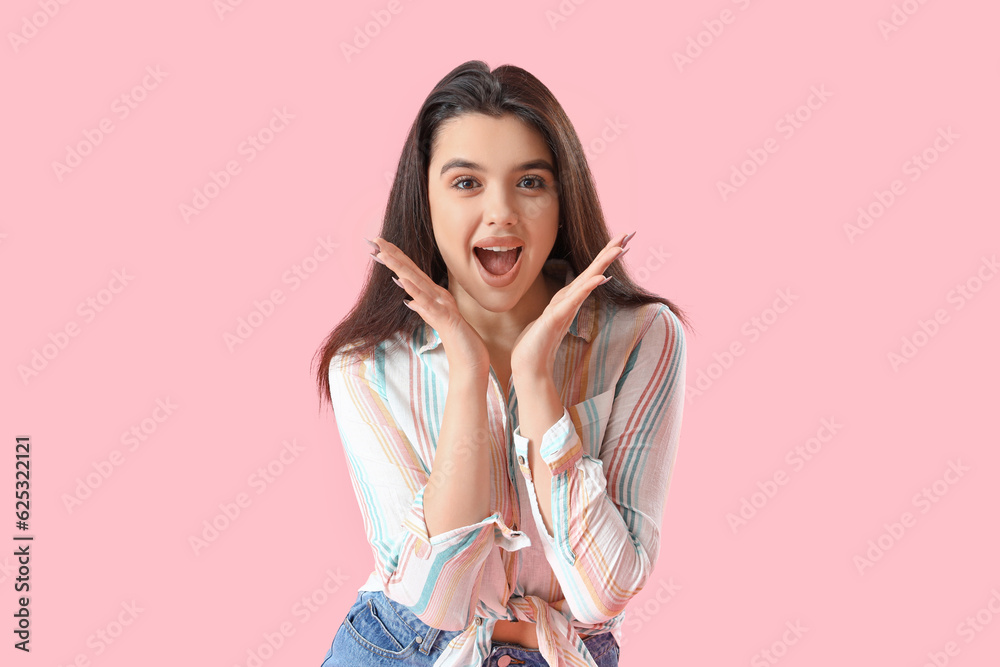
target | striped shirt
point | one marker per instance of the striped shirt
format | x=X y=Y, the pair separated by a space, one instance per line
x=621 y=372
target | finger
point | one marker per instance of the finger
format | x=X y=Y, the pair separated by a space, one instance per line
x=411 y=289
x=413 y=294
x=428 y=299
x=566 y=302
x=578 y=291
x=612 y=251
x=404 y=267
x=621 y=240
x=598 y=266
x=566 y=305
x=616 y=247
x=618 y=241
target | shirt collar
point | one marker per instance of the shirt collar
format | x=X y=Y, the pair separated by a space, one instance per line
x=427 y=337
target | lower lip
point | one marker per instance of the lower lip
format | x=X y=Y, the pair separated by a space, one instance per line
x=499 y=281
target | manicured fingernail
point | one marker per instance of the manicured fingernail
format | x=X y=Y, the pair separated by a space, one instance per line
x=396 y=280
x=622 y=254
x=605 y=280
x=372 y=244
x=377 y=259
x=627 y=239
x=407 y=303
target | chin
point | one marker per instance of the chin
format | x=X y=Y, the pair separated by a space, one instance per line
x=496 y=303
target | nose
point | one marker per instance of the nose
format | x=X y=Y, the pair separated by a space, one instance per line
x=499 y=209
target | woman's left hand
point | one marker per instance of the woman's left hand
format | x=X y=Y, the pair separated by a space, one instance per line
x=534 y=352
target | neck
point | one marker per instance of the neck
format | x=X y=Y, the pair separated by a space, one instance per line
x=495 y=328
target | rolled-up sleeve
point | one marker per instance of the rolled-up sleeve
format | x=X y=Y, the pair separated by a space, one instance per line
x=606 y=511
x=438 y=578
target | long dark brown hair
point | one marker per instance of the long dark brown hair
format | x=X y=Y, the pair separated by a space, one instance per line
x=473 y=88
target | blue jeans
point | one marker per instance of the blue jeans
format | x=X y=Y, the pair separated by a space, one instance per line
x=379 y=631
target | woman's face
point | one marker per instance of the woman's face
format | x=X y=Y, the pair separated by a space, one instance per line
x=490 y=178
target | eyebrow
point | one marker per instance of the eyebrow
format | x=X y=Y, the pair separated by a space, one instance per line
x=459 y=163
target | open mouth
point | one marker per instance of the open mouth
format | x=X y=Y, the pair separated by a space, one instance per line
x=498 y=262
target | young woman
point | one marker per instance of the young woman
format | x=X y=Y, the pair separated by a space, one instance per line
x=508 y=399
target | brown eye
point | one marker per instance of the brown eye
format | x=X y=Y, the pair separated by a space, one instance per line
x=462 y=179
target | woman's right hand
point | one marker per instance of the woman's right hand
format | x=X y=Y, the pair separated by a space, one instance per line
x=438 y=308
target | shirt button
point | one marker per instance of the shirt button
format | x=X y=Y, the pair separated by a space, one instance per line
x=520 y=459
x=503 y=661
x=479 y=621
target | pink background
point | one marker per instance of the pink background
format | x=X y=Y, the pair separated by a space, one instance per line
x=680 y=131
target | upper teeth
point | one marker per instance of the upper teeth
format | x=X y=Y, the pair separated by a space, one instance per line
x=497 y=249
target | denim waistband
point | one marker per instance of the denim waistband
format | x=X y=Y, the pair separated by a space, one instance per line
x=596 y=644
x=428 y=637
x=432 y=637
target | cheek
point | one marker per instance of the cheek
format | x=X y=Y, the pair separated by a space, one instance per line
x=434 y=206
x=543 y=207
x=440 y=221
x=445 y=211
x=449 y=238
